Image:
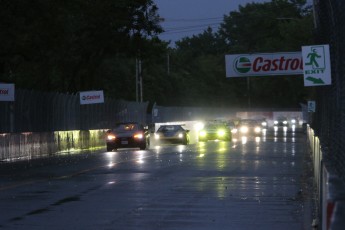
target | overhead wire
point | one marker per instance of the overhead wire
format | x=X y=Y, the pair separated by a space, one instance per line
x=172 y=27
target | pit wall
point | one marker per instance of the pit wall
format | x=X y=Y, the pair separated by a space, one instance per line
x=26 y=146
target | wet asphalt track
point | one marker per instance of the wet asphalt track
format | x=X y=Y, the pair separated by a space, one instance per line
x=249 y=184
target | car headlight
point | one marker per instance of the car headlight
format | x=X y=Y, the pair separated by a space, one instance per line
x=221 y=133
x=284 y=122
x=276 y=122
x=293 y=121
x=257 y=129
x=264 y=123
x=244 y=129
x=202 y=134
x=180 y=135
x=234 y=131
x=111 y=137
x=138 y=136
x=157 y=136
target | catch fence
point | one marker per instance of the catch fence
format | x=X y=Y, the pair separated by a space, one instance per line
x=34 y=111
x=329 y=118
x=328 y=121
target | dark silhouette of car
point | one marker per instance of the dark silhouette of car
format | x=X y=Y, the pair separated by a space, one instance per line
x=172 y=134
x=281 y=122
x=249 y=127
x=127 y=135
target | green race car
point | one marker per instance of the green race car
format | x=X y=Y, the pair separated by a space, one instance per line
x=215 y=132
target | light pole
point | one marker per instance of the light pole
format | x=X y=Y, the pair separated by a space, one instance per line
x=138 y=80
x=138 y=68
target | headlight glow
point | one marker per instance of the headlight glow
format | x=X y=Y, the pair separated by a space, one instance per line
x=180 y=135
x=276 y=122
x=293 y=121
x=157 y=136
x=284 y=122
x=257 y=129
x=111 y=137
x=234 y=130
x=202 y=133
x=264 y=123
x=244 y=129
x=221 y=132
x=138 y=136
x=199 y=126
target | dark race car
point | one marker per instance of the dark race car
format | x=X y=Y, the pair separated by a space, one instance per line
x=249 y=127
x=127 y=135
x=281 y=122
x=172 y=134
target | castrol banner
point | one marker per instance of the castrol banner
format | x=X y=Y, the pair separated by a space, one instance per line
x=91 y=97
x=6 y=92
x=263 y=64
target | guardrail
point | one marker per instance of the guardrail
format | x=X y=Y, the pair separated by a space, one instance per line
x=330 y=188
x=27 y=146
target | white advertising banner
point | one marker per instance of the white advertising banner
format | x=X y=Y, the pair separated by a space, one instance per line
x=91 y=97
x=263 y=64
x=6 y=92
x=317 y=65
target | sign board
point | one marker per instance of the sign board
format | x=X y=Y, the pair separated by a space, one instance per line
x=91 y=97
x=311 y=106
x=155 y=112
x=6 y=92
x=317 y=65
x=263 y=64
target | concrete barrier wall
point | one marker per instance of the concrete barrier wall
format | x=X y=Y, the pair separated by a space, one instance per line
x=330 y=188
x=22 y=146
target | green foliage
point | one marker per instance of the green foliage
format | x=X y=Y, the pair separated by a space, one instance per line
x=62 y=45
x=78 y=45
x=277 y=26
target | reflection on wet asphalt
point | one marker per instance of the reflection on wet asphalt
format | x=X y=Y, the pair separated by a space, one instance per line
x=250 y=183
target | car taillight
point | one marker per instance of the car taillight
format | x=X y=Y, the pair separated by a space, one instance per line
x=138 y=136
x=111 y=137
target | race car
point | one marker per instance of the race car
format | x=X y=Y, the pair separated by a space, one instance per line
x=215 y=132
x=172 y=134
x=127 y=135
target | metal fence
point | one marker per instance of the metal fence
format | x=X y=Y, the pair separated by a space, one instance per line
x=166 y=114
x=329 y=119
x=47 y=111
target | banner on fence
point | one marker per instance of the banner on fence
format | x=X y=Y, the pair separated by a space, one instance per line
x=91 y=97
x=6 y=92
x=263 y=64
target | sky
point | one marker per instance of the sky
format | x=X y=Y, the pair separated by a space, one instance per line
x=184 y=18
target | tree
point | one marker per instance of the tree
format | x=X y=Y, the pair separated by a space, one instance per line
x=277 y=26
x=61 y=45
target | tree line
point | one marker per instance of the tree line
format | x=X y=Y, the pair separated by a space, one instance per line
x=78 y=45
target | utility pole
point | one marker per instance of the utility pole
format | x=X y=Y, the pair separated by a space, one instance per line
x=248 y=92
x=138 y=80
x=168 y=64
